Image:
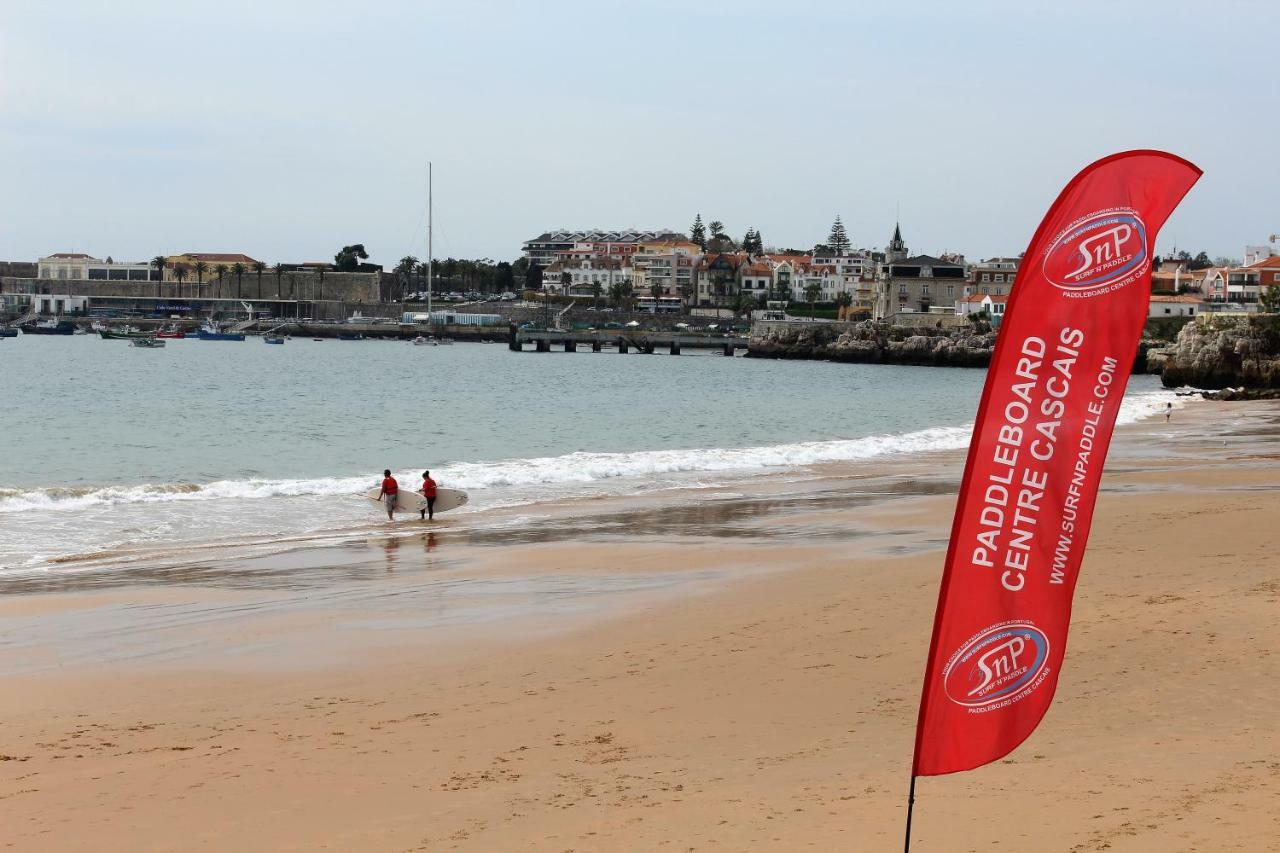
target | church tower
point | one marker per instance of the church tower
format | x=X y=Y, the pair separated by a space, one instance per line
x=897 y=248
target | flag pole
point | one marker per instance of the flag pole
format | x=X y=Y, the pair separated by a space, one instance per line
x=911 y=804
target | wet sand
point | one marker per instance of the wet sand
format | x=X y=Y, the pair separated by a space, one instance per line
x=723 y=670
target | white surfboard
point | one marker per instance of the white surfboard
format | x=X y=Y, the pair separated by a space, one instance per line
x=414 y=502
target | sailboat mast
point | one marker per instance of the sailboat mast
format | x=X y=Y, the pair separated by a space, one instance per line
x=430 y=256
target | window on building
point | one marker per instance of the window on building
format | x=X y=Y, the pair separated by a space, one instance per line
x=902 y=290
x=951 y=290
x=986 y=276
x=999 y=276
x=984 y=291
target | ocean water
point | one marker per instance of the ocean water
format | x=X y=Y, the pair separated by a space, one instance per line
x=114 y=454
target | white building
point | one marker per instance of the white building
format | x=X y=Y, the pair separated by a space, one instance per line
x=77 y=266
x=1175 y=306
x=978 y=302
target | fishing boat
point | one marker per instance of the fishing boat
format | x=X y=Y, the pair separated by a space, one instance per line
x=125 y=333
x=8 y=332
x=50 y=327
x=210 y=332
x=171 y=333
x=147 y=343
x=272 y=339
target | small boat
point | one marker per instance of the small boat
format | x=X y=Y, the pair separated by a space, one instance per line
x=272 y=339
x=147 y=343
x=8 y=332
x=420 y=341
x=50 y=327
x=125 y=333
x=80 y=331
x=172 y=334
x=350 y=336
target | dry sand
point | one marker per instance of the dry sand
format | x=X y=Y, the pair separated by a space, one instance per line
x=767 y=704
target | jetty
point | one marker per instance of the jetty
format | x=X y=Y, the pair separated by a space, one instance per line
x=622 y=341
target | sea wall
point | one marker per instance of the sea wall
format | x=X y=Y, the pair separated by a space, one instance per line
x=868 y=341
x=1220 y=351
x=305 y=285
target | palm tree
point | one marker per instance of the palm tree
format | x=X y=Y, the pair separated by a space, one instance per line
x=201 y=268
x=238 y=269
x=259 y=267
x=278 y=270
x=221 y=270
x=159 y=262
x=405 y=268
x=596 y=290
x=811 y=294
x=180 y=275
x=844 y=300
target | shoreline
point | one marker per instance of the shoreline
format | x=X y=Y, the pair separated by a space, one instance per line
x=764 y=700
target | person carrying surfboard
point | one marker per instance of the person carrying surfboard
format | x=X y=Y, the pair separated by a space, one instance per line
x=429 y=492
x=390 y=491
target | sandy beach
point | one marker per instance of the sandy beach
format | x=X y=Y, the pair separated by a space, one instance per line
x=716 y=671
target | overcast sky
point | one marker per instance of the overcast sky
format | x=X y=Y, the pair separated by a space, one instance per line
x=286 y=129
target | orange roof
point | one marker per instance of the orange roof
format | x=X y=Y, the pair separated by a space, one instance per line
x=1157 y=297
x=70 y=255
x=220 y=257
x=1271 y=263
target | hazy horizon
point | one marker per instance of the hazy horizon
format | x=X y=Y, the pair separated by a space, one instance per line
x=286 y=130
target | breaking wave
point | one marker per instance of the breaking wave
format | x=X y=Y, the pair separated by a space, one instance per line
x=549 y=471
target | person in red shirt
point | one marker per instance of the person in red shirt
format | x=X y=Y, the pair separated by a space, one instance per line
x=429 y=492
x=390 y=491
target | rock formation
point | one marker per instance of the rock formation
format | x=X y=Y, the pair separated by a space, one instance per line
x=1222 y=352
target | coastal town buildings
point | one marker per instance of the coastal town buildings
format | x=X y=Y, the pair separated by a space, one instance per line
x=188 y=260
x=667 y=265
x=992 y=275
x=917 y=284
x=77 y=266
x=545 y=249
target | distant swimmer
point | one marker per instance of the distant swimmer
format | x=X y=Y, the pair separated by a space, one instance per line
x=429 y=492
x=1168 y=411
x=390 y=492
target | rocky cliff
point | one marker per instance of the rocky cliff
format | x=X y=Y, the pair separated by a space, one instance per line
x=1222 y=352
x=871 y=342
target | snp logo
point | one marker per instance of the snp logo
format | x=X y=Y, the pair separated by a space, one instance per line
x=1097 y=250
x=999 y=663
x=996 y=664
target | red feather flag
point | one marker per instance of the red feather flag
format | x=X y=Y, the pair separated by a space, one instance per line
x=1066 y=346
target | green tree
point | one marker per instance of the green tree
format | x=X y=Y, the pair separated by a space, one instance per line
x=717 y=228
x=749 y=241
x=278 y=271
x=348 y=260
x=698 y=233
x=179 y=275
x=159 y=262
x=1270 y=299
x=811 y=294
x=838 y=240
x=844 y=300
x=656 y=290
x=238 y=270
x=566 y=279
x=596 y=289
x=259 y=268
x=1200 y=262
x=201 y=268
x=405 y=269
